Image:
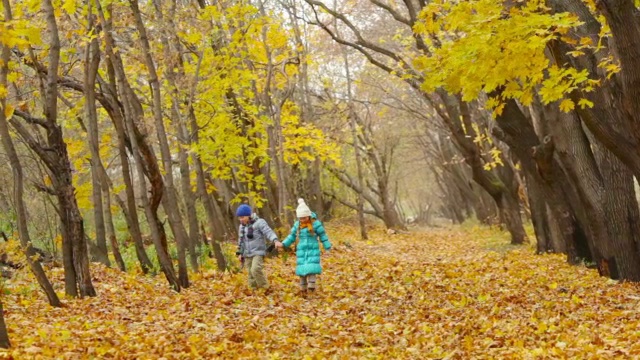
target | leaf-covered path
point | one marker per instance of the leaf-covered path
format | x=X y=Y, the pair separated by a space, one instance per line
x=454 y=294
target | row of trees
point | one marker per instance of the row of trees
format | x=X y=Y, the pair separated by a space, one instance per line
x=536 y=102
x=162 y=116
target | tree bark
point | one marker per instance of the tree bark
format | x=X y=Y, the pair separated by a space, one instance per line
x=144 y=159
x=118 y=112
x=111 y=232
x=541 y=168
x=172 y=210
x=60 y=167
x=624 y=25
x=623 y=219
x=508 y=206
x=4 y=335
x=172 y=53
x=92 y=62
x=356 y=150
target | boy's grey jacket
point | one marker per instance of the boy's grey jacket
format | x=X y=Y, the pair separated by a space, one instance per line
x=258 y=244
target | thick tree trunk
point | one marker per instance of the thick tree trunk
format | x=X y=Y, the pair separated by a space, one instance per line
x=623 y=22
x=540 y=166
x=72 y=221
x=58 y=163
x=508 y=207
x=555 y=232
x=576 y=156
x=623 y=221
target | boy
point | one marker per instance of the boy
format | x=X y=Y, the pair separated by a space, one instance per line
x=252 y=235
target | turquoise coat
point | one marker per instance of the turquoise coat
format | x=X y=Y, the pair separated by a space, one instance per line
x=308 y=248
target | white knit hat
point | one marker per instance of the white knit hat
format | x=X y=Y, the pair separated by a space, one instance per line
x=302 y=210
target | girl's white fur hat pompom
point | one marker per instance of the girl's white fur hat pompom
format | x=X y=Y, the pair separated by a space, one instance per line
x=302 y=210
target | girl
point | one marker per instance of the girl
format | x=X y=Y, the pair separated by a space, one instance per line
x=308 y=229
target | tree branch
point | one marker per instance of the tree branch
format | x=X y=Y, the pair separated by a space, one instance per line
x=353 y=206
x=33 y=144
x=396 y=15
x=31 y=119
x=362 y=44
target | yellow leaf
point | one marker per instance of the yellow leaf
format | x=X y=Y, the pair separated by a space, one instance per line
x=8 y=111
x=567 y=105
x=584 y=103
x=69 y=6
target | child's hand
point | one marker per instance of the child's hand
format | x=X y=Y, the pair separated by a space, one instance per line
x=278 y=244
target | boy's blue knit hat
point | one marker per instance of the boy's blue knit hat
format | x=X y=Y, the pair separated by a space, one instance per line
x=243 y=210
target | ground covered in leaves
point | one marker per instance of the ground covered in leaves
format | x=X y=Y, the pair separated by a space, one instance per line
x=457 y=293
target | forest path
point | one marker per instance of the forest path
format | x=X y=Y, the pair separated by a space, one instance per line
x=457 y=293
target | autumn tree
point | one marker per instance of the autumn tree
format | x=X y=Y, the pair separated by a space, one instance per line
x=16 y=166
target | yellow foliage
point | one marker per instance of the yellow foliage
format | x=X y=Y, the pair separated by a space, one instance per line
x=482 y=47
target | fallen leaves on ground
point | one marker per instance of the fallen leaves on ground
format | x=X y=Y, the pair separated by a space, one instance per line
x=457 y=293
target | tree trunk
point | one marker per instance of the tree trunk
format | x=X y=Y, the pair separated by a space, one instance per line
x=4 y=335
x=539 y=218
x=172 y=210
x=139 y=148
x=118 y=114
x=356 y=150
x=623 y=22
x=315 y=188
x=111 y=232
x=92 y=62
x=172 y=52
x=391 y=217
x=190 y=207
x=623 y=221
x=61 y=168
x=577 y=158
x=214 y=218
x=508 y=207
x=542 y=169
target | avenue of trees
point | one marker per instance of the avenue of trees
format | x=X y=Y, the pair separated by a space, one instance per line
x=133 y=129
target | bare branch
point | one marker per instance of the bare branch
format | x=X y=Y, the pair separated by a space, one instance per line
x=396 y=15
x=32 y=119
x=352 y=206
